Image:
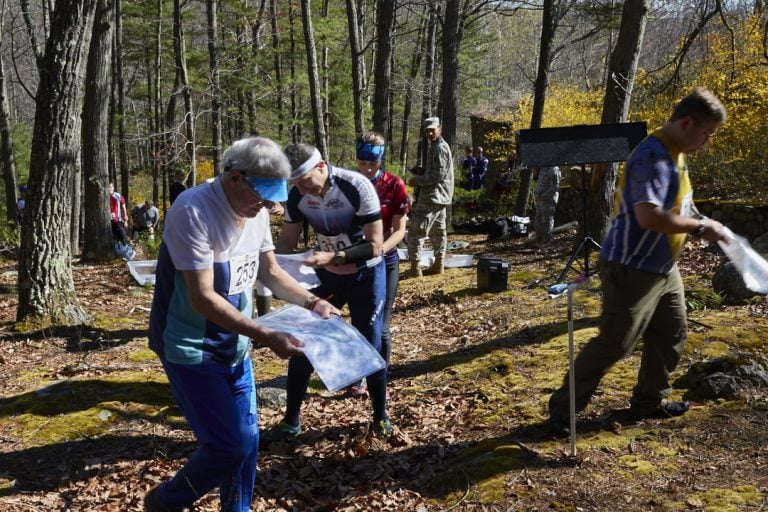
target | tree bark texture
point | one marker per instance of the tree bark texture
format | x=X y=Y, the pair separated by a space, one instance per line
x=622 y=68
x=450 y=77
x=314 y=80
x=213 y=55
x=428 y=100
x=97 y=239
x=278 y=60
x=119 y=86
x=418 y=49
x=46 y=289
x=357 y=67
x=7 y=156
x=548 y=27
x=385 y=17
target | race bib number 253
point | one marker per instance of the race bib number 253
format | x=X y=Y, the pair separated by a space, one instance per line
x=242 y=272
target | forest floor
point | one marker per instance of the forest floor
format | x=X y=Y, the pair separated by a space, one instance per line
x=87 y=422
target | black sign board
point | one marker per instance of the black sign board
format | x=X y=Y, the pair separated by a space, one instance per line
x=580 y=144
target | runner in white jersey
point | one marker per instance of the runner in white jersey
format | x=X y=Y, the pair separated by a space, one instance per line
x=216 y=243
x=343 y=209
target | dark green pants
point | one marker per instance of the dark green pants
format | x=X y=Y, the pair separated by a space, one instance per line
x=635 y=304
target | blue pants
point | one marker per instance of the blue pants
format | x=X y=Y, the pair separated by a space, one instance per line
x=364 y=293
x=219 y=403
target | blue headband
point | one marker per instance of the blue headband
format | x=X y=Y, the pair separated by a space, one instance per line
x=369 y=152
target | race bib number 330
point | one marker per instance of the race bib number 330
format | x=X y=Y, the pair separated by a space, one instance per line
x=335 y=243
x=242 y=272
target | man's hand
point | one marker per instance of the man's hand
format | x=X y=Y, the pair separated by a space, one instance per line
x=284 y=345
x=325 y=309
x=319 y=259
x=713 y=231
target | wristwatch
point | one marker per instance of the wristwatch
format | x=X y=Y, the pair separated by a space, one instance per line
x=338 y=259
x=700 y=228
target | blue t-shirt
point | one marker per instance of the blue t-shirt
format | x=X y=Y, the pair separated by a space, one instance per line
x=201 y=232
x=655 y=173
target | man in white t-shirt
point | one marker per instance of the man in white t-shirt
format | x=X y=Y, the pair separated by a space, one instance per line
x=216 y=243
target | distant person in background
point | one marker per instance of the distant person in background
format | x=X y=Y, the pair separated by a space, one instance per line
x=547 y=193
x=178 y=186
x=643 y=294
x=467 y=163
x=145 y=219
x=430 y=210
x=503 y=185
x=118 y=215
x=394 y=210
x=479 y=170
x=21 y=203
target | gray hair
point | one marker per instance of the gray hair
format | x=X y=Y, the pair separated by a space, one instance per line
x=257 y=156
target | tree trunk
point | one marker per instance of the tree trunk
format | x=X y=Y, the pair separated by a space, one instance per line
x=450 y=46
x=428 y=101
x=357 y=68
x=278 y=69
x=295 y=127
x=181 y=87
x=618 y=92
x=158 y=139
x=213 y=51
x=385 y=17
x=7 y=157
x=119 y=86
x=418 y=49
x=97 y=243
x=46 y=288
x=326 y=88
x=314 y=80
x=548 y=27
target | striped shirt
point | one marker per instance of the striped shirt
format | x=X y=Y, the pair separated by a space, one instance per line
x=655 y=173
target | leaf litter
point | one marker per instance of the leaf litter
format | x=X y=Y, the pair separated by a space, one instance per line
x=470 y=376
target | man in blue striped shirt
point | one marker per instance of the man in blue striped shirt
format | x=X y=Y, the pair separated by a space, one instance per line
x=643 y=293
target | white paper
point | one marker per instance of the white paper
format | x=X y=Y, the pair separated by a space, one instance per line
x=340 y=355
x=752 y=267
x=294 y=265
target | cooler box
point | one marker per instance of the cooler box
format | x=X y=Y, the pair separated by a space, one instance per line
x=492 y=274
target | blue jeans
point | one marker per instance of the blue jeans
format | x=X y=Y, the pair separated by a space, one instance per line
x=219 y=403
x=364 y=293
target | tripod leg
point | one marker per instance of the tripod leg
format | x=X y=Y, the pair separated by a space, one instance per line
x=570 y=262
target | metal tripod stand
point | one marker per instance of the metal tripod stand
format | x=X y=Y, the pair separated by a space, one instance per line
x=587 y=242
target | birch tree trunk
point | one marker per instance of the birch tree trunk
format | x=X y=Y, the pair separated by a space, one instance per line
x=97 y=239
x=46 y=288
